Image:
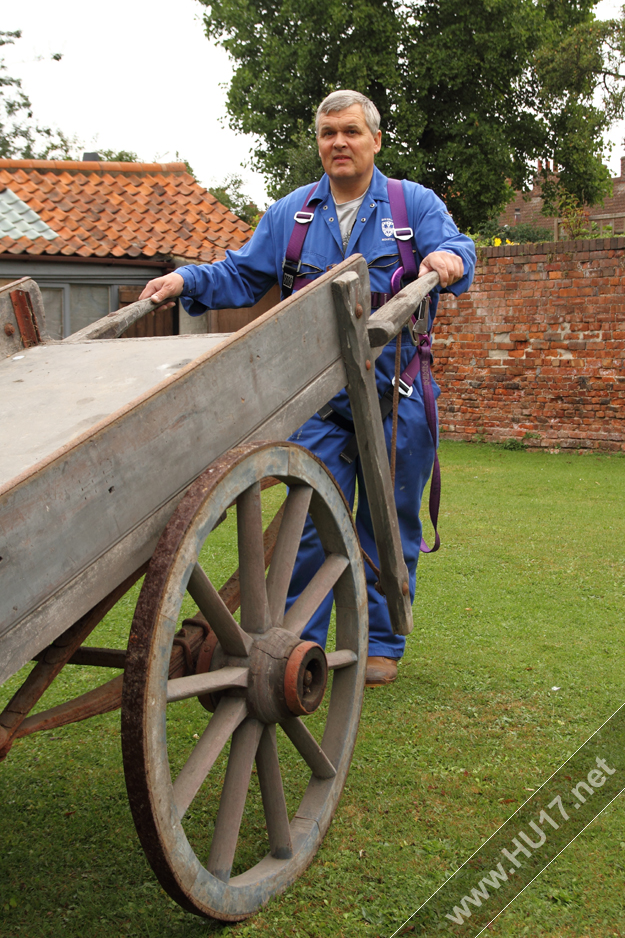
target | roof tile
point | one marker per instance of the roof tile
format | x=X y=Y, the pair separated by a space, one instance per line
x=118 y=209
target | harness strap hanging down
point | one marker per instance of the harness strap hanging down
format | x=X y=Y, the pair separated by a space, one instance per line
x=395 y=408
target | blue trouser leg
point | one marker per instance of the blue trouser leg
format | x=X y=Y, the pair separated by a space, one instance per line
x=327 y=441
x=415 y=457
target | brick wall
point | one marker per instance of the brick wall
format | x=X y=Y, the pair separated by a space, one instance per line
x=537 y=347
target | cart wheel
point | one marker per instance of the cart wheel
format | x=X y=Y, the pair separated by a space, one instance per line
x=253 y=676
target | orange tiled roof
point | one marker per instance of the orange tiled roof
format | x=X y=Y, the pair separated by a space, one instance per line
x=130 y=210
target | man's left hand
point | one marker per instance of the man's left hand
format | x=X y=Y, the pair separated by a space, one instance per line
x=449 y=267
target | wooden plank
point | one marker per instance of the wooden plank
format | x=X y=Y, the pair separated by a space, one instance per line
x=51 y=394
x=102 y=699
x=52 y=660
x=25 y=318
x=99 y=657
x=365 y=405
x=390 y=319
x=69 y=603
x=113 y=485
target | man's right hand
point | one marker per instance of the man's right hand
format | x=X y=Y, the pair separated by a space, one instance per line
x=162 y=288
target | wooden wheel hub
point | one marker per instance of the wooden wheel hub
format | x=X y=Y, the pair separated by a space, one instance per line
x=305 y=678
x=288 y=677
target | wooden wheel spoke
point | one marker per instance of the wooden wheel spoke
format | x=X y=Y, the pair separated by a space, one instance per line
x=313 y=595
x=254 y=606
x=272 y=792
x=308 y=748
x=230 y=592
x=230 y=712
x=236 y=783
x=287 y=545
x=341 y=659
x=231 y=636
x=181 y=688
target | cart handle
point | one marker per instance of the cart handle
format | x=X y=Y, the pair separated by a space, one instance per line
x=114 y=324
x=390 y=319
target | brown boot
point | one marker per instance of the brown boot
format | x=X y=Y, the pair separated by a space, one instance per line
x=380 y=671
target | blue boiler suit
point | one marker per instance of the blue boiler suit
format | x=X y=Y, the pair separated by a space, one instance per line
x=246 y=275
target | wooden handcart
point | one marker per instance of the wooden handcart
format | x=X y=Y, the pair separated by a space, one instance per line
x=118 y=459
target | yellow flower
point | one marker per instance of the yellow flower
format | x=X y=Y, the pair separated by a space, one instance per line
x=509 y=242
x=497 y=242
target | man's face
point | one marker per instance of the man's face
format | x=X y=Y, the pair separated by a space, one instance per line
x=346 y=145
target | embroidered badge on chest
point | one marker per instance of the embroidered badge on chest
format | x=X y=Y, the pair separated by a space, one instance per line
x=387 y=227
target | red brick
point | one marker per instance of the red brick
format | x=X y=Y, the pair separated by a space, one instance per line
x=538 y=307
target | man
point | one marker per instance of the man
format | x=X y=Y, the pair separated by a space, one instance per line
x=350 y=214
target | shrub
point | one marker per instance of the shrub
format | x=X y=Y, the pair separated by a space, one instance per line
x=492 y=234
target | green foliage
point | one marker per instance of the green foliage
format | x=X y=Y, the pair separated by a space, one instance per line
x=230 y=193
x=572 y=214
x=491 y=233
x=302 y=164
x=187 y=164
x=566 y=206
x=20 y=135
x=119 y=156
x=467 y=92
x=513 y=444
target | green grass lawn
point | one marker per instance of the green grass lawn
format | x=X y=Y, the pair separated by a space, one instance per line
x=526 y=594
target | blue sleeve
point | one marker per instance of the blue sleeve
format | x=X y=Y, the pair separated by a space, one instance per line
x=436 y=230
x=241 y=279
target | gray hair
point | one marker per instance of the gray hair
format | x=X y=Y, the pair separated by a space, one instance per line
x=339 y=100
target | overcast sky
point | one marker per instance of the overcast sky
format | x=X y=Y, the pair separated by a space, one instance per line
x=135 y=75
x=138 y=75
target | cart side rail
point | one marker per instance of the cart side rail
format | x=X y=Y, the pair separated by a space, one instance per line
x=83 y=519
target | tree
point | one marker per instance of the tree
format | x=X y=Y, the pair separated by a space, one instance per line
x=230 y=193
x=302 y=163
x=118 y=156
x=20 y=135
x=467 y=93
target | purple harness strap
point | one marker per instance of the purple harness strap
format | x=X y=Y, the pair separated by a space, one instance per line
x=292 y=259
x=403 y=235
x=421 y=363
